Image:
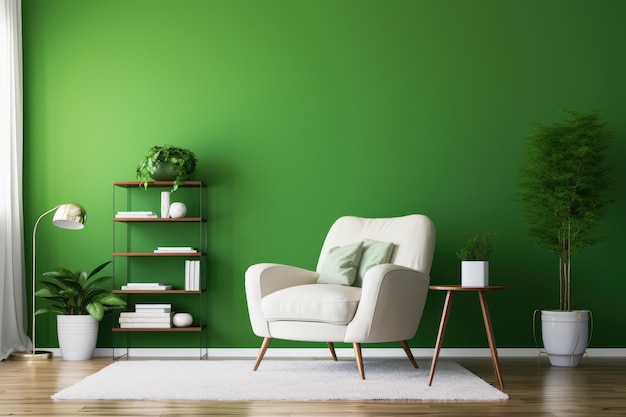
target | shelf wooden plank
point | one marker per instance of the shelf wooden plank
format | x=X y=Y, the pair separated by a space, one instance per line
x=158 y=329
x=158 y=219
x=160 y=254
x=185 y=184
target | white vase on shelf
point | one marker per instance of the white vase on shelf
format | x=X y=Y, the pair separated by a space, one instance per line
x=165 y=204
x=182 y=320
x=178 y=210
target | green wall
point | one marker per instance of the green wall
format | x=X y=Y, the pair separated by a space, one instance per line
x=303 y=111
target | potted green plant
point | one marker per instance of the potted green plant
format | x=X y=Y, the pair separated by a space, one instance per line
x=564 y=189
x=474 y=256
x=167 y=163
x=80 y=303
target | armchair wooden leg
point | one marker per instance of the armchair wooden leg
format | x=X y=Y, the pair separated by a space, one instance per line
x=259 y=358
x=408 y=352
x=359 y=358
x=332 y=350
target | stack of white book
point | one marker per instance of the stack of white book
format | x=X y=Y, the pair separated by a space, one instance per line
x=152 y=286
x=192 y=275
x=147 y=316
x=135 y=214
x=175 y=249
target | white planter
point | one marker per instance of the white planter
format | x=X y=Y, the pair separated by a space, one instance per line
x=474 y=273
x=78 y=336
x=565 y=335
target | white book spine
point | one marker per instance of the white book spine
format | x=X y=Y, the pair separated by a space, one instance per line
x=153 y=306
x=134 y=215
x=175 y=251
x=192 y=284
x=133 y=314
x=176 y=248
x=197 y=276
x=137 y=213
x=147 y=287
x=143 y=284
x=187 y=274
x=145 y=325
x=153 y=310
x=161 y=320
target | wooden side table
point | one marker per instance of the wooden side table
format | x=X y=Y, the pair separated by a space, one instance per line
x=450 y=290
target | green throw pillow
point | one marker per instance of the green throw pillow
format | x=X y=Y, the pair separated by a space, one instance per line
x=374 y=253
x=340 y=265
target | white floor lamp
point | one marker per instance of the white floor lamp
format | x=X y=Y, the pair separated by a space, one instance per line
x=67 y=216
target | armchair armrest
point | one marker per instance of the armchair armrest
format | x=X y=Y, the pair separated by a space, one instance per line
x=391 y=306
x=266 y=278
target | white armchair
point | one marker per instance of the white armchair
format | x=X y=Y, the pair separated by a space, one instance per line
x=370 y=285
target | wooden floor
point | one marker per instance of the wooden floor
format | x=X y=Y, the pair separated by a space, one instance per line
x=595 y=388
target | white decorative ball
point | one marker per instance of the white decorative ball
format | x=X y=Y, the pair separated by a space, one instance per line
x=182 y=319
x=178 y=210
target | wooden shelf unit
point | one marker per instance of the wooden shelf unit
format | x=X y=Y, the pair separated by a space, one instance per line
x=198 y=297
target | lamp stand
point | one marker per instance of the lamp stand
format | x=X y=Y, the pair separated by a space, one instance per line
x=34 y=354
x=68 y=216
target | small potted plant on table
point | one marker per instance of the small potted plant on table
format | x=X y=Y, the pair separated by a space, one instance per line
x=474 y=256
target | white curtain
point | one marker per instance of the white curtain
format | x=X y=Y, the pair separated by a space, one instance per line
x=12 y=283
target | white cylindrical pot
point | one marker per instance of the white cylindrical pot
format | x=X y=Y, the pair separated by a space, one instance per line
x=474 y=273
x=565 y=335
x=78 y=336
x=165 y=204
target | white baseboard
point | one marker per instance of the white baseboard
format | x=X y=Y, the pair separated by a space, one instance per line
x=314 y=353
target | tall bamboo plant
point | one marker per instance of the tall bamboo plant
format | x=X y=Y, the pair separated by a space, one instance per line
x=564 y=188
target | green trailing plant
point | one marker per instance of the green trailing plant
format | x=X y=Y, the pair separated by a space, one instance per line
x=477 y=248
x=78 y=293
x=183 y=161
x=564 y=188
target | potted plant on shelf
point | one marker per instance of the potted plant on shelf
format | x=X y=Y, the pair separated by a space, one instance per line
x=474 y=256
x=167 y=163
x=564 y=190
x=80 y=304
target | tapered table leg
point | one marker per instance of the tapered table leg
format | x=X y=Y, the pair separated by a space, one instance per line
x=442 y=330
x=490 y=337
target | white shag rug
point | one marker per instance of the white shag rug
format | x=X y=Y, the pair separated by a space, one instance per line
x=276 y=380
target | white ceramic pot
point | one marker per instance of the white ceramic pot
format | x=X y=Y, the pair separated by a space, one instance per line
x=474 y=273
x=178 y=210
x=182 y=320
x=78 y=336
x=565 y=335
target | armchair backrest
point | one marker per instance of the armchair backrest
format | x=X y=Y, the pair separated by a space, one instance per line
x=413 y=237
